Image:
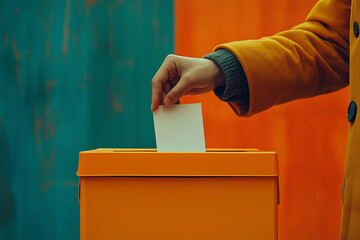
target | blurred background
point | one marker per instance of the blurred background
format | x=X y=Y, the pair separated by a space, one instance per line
x=75 y=75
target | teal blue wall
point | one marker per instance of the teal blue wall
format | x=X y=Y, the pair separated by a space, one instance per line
x=74 y=75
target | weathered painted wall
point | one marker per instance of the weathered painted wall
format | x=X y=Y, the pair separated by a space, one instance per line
x=74 y=75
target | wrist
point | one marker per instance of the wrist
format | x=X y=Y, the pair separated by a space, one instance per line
x=228 y=65
x=220 y=79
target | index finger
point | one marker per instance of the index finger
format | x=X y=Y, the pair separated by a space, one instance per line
x=156 y=95
x=160 y=78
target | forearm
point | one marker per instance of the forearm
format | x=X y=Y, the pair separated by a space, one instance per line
x=308 y=60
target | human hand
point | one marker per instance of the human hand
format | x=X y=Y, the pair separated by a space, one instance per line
x=180 y=76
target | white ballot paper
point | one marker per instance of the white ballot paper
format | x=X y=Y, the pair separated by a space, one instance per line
x=179 y=128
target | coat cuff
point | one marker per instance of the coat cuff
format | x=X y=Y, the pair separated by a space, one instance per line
x=236 y=89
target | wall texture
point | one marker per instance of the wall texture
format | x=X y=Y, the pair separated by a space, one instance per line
x=74 y=75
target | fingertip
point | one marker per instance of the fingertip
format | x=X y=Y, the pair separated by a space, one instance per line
x=155 y=102
x=168 y=101
x=154 y=107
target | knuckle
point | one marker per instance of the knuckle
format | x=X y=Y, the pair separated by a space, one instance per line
x=153 y=82
x=169 y=57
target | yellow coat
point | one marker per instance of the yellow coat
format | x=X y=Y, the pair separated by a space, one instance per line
x=308 y=60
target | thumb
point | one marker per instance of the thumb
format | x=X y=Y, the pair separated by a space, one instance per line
x=176 y=92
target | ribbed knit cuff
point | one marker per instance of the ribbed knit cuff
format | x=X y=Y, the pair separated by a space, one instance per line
x=236 y=89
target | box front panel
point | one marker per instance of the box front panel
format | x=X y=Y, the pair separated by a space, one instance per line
x=178 y=208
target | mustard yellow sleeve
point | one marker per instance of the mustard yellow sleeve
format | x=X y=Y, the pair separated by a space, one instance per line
x=308 y=60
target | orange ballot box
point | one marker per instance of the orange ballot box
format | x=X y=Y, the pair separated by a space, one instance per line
x=143 y=194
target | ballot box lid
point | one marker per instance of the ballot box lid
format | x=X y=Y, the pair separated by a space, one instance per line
x=149 y=162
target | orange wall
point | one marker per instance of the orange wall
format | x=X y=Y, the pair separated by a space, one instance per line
x=309 y=135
